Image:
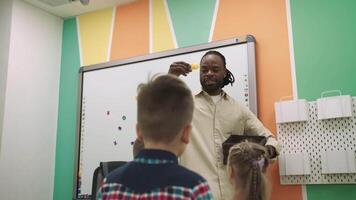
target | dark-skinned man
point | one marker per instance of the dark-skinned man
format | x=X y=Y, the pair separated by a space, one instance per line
x=216 y=117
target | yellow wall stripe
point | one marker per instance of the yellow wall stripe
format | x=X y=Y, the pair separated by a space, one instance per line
x=95 y=31
x=161 y=35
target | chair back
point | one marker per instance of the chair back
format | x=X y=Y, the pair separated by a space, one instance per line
x=101 y=172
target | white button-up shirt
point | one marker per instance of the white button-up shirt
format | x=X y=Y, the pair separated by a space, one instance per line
x=212 y=125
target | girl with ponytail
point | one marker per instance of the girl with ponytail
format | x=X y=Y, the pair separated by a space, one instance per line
x=247 y=165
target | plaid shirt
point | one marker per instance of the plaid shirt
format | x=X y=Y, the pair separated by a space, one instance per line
x=154 y=175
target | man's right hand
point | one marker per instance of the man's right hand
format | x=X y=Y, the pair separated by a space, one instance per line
x=180 y=68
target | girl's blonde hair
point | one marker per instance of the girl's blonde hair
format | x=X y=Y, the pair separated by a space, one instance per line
x=248 y=162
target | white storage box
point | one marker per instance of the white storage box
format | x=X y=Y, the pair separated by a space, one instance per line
x=291 y=111
x=334 y=107
x=336 y=162
x=294 y=164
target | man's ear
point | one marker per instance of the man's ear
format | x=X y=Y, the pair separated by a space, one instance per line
x=138 y=133
x=186 y=133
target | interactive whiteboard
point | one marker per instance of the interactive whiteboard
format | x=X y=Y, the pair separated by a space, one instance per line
x=107 y=100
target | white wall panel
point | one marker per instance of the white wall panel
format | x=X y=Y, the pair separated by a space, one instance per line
x=31 y=104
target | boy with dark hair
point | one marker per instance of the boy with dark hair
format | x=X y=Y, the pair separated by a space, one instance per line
x=164 y=115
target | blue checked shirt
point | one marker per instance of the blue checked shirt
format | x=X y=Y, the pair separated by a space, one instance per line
x=154 y=175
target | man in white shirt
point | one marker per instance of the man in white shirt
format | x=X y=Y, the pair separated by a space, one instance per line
x=216 y=117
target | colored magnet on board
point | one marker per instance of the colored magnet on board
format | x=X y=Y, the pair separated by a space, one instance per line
x=124 y=117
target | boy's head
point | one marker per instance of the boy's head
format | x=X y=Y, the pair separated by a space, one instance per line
x=164 y=109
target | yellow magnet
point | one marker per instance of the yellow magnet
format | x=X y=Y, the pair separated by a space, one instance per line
x=194 y=66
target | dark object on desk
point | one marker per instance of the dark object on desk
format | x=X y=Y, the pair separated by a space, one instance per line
x=234 y=139
x=101 y=172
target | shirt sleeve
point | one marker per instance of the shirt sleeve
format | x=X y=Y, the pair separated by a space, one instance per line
x=255 y=127
x=202 y=192
x=99 y=194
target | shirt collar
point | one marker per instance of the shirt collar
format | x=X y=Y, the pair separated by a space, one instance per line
x=205 y=94
x=155 y=156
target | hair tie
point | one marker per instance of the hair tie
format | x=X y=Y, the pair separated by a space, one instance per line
x=259 y=163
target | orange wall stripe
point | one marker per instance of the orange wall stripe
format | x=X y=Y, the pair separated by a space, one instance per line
x=267 y=21
x=131 y=31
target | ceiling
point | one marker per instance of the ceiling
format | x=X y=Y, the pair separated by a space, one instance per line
x=70 y=8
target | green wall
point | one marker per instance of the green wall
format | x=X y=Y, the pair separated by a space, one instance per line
x=325 y=57
x=324 y=45
x=66 y=131
x=191 y=20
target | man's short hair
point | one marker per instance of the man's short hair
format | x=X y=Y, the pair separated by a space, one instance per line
x=164 y=106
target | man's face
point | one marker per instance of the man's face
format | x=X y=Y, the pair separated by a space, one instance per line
x=212 y=73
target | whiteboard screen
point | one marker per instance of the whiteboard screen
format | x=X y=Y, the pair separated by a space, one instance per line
x=107 y=116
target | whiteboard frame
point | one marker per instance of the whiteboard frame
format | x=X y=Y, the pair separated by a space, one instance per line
x=248 y=39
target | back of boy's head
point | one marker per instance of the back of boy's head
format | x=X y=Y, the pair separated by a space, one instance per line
x=164 y=107
x=249 y=164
